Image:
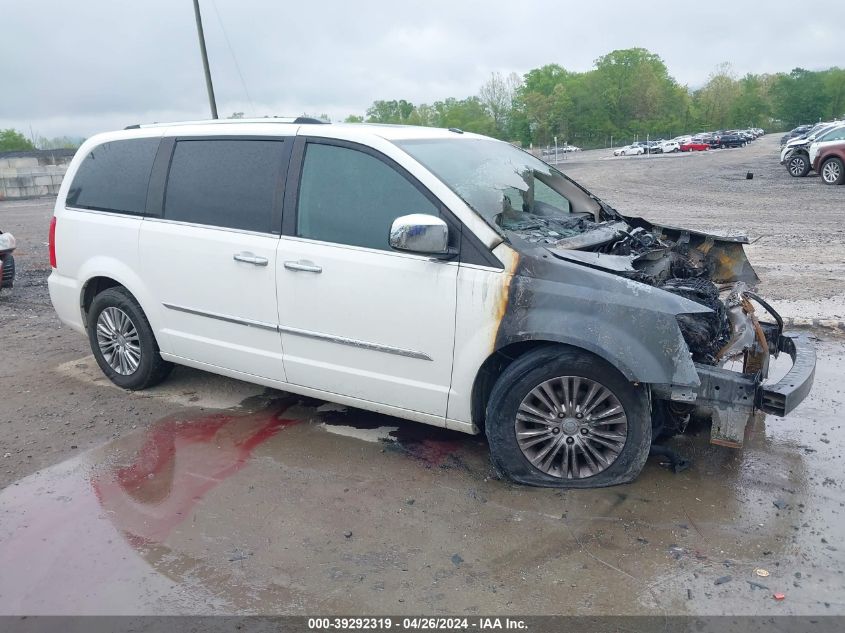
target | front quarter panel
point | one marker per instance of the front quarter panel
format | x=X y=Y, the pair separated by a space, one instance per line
x=630 y=326
x=541 y=298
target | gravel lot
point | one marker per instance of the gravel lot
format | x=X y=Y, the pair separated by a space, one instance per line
x=795 y=224
x=116 y=502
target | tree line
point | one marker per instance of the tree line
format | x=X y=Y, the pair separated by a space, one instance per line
x=628 y=94
x=13 y=141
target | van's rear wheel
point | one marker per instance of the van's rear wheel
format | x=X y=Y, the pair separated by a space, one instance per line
x=560 y=417
x=123 y=342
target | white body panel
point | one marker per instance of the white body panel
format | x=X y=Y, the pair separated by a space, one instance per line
x=367 y=299
x=190 y=270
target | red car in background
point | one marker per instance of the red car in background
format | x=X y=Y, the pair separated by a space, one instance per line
x=694 y=146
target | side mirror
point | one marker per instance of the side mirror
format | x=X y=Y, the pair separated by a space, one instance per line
x=420 y=233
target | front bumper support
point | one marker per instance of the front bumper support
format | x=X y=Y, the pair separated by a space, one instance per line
x=733 y=397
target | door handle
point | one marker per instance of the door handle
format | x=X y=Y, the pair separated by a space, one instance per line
x=303 y=267
x=249 y=258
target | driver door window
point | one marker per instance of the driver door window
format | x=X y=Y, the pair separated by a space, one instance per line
x=350 y=197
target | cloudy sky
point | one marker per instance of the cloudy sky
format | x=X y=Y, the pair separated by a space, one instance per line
x=83 y=66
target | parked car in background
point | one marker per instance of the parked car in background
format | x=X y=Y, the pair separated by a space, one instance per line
x=827 y=155
x=570 y=148
x=798 y=131
x=694 y=146
x=629 y=150
x=795 y=155
x=668 y=147
x=7 y=261
x=728 y=139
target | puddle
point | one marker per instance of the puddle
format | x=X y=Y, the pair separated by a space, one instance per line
x=378 y=434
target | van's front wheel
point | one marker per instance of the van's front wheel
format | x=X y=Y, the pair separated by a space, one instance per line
x=123 y=342
x=560 y=417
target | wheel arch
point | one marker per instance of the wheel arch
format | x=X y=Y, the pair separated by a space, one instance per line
x=500 y=359
x=110 y=273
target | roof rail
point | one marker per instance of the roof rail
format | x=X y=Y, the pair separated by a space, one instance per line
x=299 y=120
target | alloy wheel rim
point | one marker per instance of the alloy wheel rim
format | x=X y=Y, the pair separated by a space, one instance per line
x=796 y=165
x=571 y=427
x=118 y=341
x=831 y=172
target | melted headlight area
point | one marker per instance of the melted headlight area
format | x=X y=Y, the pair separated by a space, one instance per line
x=709 y=270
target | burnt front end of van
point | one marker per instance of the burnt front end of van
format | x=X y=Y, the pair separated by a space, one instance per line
x=671 y=308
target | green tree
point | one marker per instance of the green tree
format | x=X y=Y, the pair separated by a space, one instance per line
x=12 y=140
x=716 y=100
x=800 y=97
x=636 y=87
x=390 y=111
x=834 y=84
x=497 y=96
x=750 y=107
x=354 y=118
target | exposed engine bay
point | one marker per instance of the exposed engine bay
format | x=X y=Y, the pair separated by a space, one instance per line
x=709 y=270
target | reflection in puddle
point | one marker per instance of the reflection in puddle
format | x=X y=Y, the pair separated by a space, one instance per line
x=432 y=445
x=178 y=461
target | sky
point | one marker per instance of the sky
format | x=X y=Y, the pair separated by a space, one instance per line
x=80 y=67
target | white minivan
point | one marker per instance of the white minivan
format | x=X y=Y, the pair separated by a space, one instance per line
x=433 y=275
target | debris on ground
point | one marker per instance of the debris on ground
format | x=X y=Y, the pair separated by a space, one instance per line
x=780 y=504
x=779 y=596
x=763 y=573
x=722 y=580
x=456 y=559
x=348 y=534
x=238 y=555
x=757 y=585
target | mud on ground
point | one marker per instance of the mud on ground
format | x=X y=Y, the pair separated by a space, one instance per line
x=207 y=495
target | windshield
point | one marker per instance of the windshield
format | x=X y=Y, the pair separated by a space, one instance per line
x=508 y=187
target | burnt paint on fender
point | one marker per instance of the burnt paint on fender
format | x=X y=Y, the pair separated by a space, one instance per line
x=629 y=324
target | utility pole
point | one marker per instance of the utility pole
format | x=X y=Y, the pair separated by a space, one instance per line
x=204 y=53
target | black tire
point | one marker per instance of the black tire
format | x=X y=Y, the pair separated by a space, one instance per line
x=798 y=165
x=832 y=171
x=151 y=369
x=549 y=362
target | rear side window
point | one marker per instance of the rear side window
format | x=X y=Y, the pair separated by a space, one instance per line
x=226 y=183
x=114 y=177
x=837 y=134
x=349 y=197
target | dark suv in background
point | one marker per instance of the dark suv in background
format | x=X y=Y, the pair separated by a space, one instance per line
x=798 y=131
x=728 y=139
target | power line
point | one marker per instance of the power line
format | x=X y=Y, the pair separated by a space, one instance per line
x=232 y=53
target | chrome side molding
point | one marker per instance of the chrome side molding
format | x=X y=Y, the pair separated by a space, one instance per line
x=222 y=317
x=376 y=347
x=342 y=340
